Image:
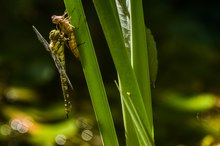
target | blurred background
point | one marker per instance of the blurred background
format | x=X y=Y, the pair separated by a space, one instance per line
x=186 y=101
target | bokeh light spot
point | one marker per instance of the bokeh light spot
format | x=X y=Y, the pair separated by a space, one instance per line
x=87 y=135
x=60 y=139
x=5 y=129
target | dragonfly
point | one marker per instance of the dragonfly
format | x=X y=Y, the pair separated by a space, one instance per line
x=56 y=50
x=65 y=27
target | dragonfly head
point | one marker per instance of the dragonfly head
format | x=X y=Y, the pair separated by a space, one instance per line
x=54 y=34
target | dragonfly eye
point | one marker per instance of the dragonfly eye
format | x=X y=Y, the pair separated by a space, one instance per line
x=54 y=34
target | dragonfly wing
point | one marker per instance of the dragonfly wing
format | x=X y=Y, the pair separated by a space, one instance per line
x=41 y=39
x=67 y=78
x=61 y=68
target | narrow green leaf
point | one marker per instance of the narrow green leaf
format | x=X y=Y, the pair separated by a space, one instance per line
x=144 y=137
x=132 y=22
x=124 y=17
x=92 y=73
x=139 y=60
x=108 y=16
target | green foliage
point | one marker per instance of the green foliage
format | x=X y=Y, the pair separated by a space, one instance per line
x=92 y=74
x=186 y=97
x=131 y=63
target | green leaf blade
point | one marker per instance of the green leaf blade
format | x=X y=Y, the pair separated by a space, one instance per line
x=92 y=74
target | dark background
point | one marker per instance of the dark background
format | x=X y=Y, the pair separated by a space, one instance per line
x=186 y=98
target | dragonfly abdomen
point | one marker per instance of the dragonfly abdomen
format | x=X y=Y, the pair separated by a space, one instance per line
x=65 y=88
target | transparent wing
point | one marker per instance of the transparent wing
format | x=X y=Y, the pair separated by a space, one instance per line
x=41 y=39
x=61 y=69
x=55 y=57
